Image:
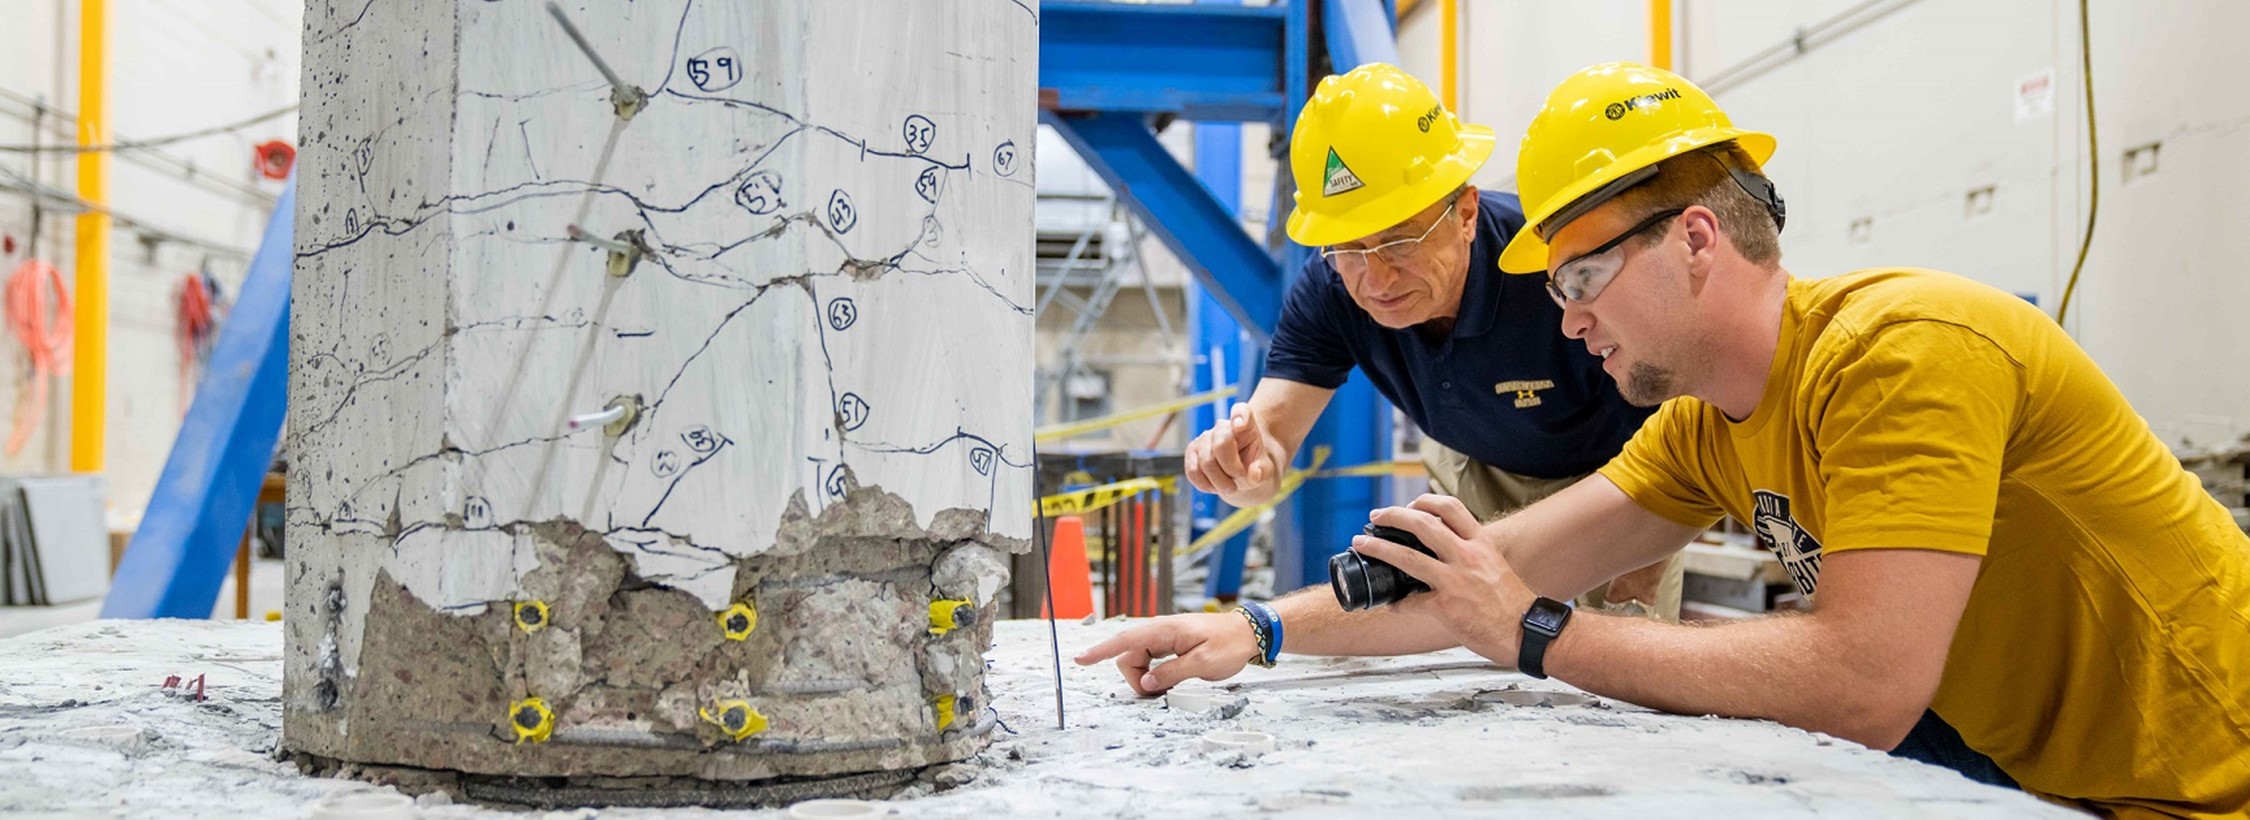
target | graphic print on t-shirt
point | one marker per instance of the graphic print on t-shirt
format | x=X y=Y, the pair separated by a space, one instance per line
x=1778 y=531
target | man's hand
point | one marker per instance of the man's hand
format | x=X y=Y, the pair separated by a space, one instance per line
x=1237 y=459
x=1209 y=645
x=1473 y=591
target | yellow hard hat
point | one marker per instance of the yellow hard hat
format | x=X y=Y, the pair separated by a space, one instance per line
x=1601 y=129
x=1373 y=148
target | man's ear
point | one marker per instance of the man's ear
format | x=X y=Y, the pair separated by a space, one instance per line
x=1467 y=207
x=1701 y=227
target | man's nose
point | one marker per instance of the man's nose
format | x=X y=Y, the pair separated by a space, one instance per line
x=1577 y=321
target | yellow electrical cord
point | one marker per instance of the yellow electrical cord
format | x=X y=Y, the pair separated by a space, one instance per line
x=2093 y=162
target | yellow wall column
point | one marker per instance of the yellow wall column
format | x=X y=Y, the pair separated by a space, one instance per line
x=1449 y=55
x=1660 y=34
x=89 y=394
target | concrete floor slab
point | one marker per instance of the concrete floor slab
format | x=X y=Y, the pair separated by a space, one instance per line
x=1432 y=735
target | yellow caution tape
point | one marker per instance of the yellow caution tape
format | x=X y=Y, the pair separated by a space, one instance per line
x=1242 y=519
x=1059 y=432
x=1377 y=468
x=1094 y=498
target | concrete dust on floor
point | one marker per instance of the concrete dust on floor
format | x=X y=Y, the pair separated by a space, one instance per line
x=265 y=595
x=1442 y=734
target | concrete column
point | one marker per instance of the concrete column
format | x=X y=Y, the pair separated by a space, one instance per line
x=807 y=287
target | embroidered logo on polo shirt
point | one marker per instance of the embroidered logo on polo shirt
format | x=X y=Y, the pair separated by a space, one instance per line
x=1778 y=531
x=1338 y=179
x=1526 y=390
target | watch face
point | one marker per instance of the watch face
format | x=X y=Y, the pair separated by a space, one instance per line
x=1545 y=618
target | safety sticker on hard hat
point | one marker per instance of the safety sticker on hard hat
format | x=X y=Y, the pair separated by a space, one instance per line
x=1339 y=179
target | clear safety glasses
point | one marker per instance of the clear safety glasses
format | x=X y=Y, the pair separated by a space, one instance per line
x=1583 y=278
x=1353 y=261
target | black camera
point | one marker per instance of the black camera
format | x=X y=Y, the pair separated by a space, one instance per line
x=1364 y=583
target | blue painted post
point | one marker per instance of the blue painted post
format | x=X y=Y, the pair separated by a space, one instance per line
x=1218 y=353
x=1356 y=427
x=1176 y=207
x=179 y=556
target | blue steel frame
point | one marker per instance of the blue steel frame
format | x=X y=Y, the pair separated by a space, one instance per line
x=1180 y=211
x=178 y=558
x=1218 y=62
x=1105 y=72
x=1219 y=355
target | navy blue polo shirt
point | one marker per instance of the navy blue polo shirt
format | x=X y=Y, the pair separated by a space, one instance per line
x=1506 y=388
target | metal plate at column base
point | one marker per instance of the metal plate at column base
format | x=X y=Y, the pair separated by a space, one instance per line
x=563 y=793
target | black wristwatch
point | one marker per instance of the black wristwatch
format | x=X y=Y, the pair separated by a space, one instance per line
x=1542 y=623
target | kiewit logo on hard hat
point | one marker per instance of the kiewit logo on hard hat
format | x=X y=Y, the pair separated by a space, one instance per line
x=1616 y=110
x=1337 y=178
x=1426 y=120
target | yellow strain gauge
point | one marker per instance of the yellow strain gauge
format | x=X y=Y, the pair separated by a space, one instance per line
x=738 y=621
x=736 y=718
x=951 y=614
x=943 y=705
x=531 y=616
x=532 y=720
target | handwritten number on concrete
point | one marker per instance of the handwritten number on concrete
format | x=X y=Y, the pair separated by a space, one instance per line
x=760 y=194
x=841 y=215
x=927 y=185
x=700 y=439
x=715 y=70
x=1004 y=159
x=851 y=411
x=919 y=133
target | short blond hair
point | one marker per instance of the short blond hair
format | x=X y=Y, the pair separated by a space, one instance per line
x=1699 y=178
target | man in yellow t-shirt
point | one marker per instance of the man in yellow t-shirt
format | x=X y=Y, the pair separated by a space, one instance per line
x=2010 y=574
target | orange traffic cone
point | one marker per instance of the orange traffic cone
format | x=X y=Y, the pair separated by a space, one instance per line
x=1069 y=579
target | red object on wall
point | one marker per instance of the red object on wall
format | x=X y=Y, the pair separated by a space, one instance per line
x=275 y=159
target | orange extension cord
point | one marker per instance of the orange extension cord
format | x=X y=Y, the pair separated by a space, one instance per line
x=49 y=345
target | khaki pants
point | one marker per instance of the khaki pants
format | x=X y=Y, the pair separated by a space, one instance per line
x=1490 y=492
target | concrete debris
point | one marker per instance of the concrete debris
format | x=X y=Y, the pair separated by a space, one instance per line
x=1351 y=738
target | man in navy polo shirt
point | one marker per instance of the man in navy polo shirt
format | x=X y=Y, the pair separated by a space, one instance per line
x=1406 y=289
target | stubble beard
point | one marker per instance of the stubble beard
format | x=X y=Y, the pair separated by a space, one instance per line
x=1646 y=385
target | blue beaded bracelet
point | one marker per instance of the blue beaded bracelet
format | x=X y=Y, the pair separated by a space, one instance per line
x=1268 y=623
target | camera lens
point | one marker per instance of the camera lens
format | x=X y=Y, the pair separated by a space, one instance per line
x=1361 y=582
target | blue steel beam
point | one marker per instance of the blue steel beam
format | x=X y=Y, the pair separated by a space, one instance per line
x=1216 y=349
x=1200 y=62
x=1359 y=32
x=179 y=556
x=1356 y=426
x=1194 y=224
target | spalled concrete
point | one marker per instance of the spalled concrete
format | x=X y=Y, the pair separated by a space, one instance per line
x=801 y=268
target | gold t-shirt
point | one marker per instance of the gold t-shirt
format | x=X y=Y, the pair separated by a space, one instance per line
x=2104 y=655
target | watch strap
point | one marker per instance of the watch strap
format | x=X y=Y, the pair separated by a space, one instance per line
x=1531 y=652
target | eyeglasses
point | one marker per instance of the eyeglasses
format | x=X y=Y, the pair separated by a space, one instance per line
x=1353 y=261
x=1583 y=278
